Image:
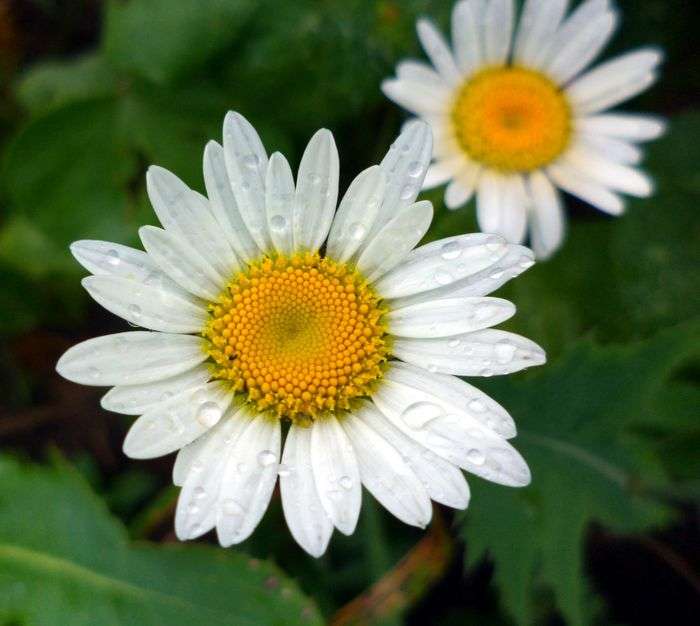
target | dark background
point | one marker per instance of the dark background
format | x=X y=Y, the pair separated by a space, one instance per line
x=92 y=92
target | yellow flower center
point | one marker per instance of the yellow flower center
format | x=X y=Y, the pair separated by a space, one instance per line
x=299 y=335
x=511 y=119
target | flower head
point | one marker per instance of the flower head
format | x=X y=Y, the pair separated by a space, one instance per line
x=516 y=116
x=270 y=312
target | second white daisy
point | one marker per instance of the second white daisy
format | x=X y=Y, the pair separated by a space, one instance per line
x=514 y=118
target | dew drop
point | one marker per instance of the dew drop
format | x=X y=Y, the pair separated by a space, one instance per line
x=230 y=507
x=504 y=351
x=415 y=169
x=208 y=414
x=345 y=482
x=432 y=368
x=251 y=161
x=407 y=192
x=418 y=414
x=356 y=231
x=496 y=275
x=451 y=250
x=199 y=396
x=199 y=492
x=443 y=277
x=266 y=458
x=477 y=406
x=476 y=456
x=278 y=223
x=166 y=395
x=113 y=258
x=453 y=343
x=197 y=466
x=192 y=508
x=314 y=179
x=284 y=470
x=241 y=467
x=134 y=311
x=94 y=373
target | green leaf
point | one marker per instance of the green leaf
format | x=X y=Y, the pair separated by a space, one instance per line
x=576 y=419
x=163 y=40
x=71 y=563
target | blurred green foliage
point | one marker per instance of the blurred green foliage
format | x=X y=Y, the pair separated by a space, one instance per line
x=609 y=426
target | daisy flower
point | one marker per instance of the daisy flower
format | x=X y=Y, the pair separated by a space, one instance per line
x=515 y=116
x=271 y=313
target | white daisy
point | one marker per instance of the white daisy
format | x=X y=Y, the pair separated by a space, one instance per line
x=351 y=347
x=514 y=118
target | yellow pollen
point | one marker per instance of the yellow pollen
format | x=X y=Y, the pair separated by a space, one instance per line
x=300 y=336
x=511 y=119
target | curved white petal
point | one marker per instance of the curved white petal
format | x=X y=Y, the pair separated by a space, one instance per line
x=172 y=424
x=467 y=35
x=356 y=214
x=458 y=440
x=404 y=168
x=198 y=504
x=423 y=395
x=336 y=473
x=448 y=316
x=279 y=201
x=443 y=481
x=246 y=163
x=538 y=23
x=187 y=214
x=498 y=31
x=131 y=358
x=481 y=353
x=440 y=172
x=420 y=73
x=576 y=183
x=248 y=480
x=137 y=399
x=413 y=96
x=584 y=46
x=182 y=263
x=316 y=192
x=187 y=458
x=223 y=203
x=386 y=475
x=502 y=269
x=307 y=521
x=624 y=125
x=395 y=240
x=614 y=81
x=441 y=263
x=500 y=206
x=157 y=307
x=438 y=51
x=613 y=175
x=546 y=216
x=104 y=258
x=617 y=150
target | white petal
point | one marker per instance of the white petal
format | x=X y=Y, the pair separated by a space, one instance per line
x=137 y=399
x=457 y=439
x=395 y=240
x=546 y=216
x=404 y=167
x=443 y=481
x=386 y=475
x=104 y=258
x=182 y=263
x=538 y=24
x=440 y=263
x=414 y=97
x=481 y=353
x=438 y=51
x=500 y=206
x=613 y=175
x=336 y=474
x=198 y=504
x=316 y=192
x=498 y=31
x=467 y=34
x=423 y=395
x=307 y=520
x=440 y=172
x=279 y=201
x=421 y=73
x=624 y=125
x=249 y=479
x=614 y=81
x=172 y=424
x=502 y=269
x=617 y=150
x=448 y=316
x=186 y=214
x=187 y=458
x=461 y=189
x=223 y=203
x=585 y=13
x=246 y=164
x=572 y=180
x=157 y=307
x=356 y=214
x=579 y=51
x=131 y=358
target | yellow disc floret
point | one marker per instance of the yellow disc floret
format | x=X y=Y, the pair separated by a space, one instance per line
x=299 y=336
x=511 y=119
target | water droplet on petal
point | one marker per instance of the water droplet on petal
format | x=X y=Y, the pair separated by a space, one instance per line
x=134 y=311
x=504 y=351
x=230 y=507
x=345 y=482
x=418 y=414
x=356 y=231
x=94 y=373
x=443 y=277
x=208 y=414
x=113 y=258
x=476 y=456
x=415 y=169
x=451 y=250
x=477 y=406
x=199 y=492
x=407 y=192
x=453 y=343
x=284 y=470
x=278 y=223
x=251 y=161
x=266 y=458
